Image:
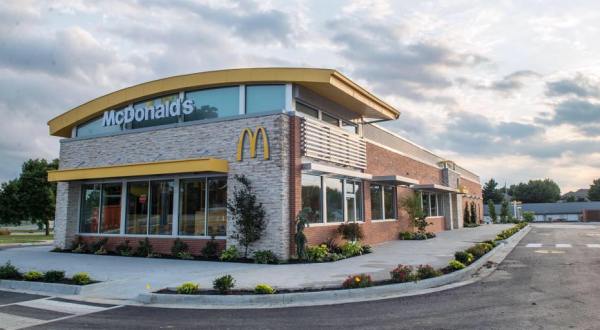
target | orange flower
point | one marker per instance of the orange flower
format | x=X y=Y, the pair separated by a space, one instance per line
x=356 y=279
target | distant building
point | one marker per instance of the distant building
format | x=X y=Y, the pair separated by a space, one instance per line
x=581 y=195
x=575 y=211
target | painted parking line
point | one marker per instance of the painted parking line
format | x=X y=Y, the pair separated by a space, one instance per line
x=593 y=246
x=534 y=245
x=562 y=245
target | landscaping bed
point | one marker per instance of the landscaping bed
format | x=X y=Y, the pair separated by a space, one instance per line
x=225 y=285
x=11 y=273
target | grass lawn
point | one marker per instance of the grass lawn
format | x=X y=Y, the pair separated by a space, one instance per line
x=30 y=238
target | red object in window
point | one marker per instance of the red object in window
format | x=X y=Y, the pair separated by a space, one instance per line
x=142 y=199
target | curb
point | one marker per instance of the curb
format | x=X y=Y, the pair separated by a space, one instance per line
x=54 y=288
x=465 y=276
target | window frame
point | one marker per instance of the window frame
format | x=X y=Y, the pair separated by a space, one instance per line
x=320 y=113
x=100 y=213
x=124 y=193
x=394 y=203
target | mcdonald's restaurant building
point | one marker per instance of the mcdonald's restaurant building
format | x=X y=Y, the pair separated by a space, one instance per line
x=158 y=160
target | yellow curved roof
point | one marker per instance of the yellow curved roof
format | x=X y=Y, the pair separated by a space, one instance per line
x=326 y=82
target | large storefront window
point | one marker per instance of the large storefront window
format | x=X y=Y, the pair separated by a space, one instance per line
x=353 y=201
x=111 y=208
x=161 y=208
x=217 y=206
x=311 y=194
x=90 y=210
x=137 y=208
x=263 y=98
x=157 y=112
x=432 y=204
x=192 y=217
x=335 y=201
x=383 y=202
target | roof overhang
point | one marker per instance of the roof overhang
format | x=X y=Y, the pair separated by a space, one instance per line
x=316 y=168
x=433 y=188
x=395 y=179
x=195 y=165
x=327 y=82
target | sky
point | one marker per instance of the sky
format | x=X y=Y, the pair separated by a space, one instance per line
x=507 y=89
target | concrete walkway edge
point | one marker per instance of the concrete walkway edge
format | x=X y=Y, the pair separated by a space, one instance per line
x=468 y=275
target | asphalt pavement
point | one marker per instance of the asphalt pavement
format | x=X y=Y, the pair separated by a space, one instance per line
x=549 y=281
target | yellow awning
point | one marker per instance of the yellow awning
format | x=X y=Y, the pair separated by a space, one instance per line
x=194 y=165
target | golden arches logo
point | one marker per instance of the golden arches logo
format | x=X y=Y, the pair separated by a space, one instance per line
x=253 y=136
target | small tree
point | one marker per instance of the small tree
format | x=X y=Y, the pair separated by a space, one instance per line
x=248 y=215
x=594 y=192
x=473 y=213
x=414 y=207
x=302 y=221
x=528 y=216
x=504 y=213
x=492 y=211
x=466 y=215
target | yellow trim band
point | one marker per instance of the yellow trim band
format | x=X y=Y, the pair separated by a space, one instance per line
x=141 y=169
x=253 y=141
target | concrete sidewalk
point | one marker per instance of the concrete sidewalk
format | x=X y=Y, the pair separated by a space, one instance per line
x=126 y=277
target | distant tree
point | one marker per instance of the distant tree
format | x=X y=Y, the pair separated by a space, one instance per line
x=247 y=213
x=466 y=215
x=528 y=216
x=491 y=192
x=37 y=196
x=536 y=191
x=504 y=212
x=473 y=213
x=570 y=199
x=492 y=211
x=413 y=205
x=594 y=192
x=11 y=212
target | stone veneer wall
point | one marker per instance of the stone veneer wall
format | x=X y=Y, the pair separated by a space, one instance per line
x=270 y=178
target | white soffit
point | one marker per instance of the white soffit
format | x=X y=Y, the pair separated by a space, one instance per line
x=320 y=168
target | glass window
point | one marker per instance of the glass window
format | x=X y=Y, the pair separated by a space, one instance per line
x=262 y=98
x=157 y=111
x=161 y=207
x=94 y=127
x=335 y=201
x=217 y=206
x=433 y=204
x=137 y=208
x=192 y=207
x=214 y=103
x=389 y=202
x=311 y=194
x=353 y=201
x=426 y=209
x=376 y=206
x=350 y=127
x=330 y=119
x=307 y=110
x=90 y=210
x=111 y=208
x=359 y=201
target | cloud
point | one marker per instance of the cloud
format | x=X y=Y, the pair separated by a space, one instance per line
x=508 y=83
x=579 y=86
x=380 y=54
x=574 y=112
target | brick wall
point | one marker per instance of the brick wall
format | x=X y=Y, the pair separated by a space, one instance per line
x=474 y=195
x=591 y=215
x=159 y=244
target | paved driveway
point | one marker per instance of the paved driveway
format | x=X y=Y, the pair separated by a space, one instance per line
x=126 y=277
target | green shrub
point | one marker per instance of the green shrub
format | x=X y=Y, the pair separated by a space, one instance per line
x=350 y=231
x=351 y=249
x=419 y=236
x=264 y=289
x=334 y=257
x=124 y=249
x=317 y=253
x=9 y=272
x=81 y=278
x=357 y=281
x=185 y=255
x=528 y=216
x=430 y=235
x=188 y=288
x=33 y=276
x=478 y=250
x=366 y=249
x=406 y=235
x=332 y=245
x=144 y=248
x=456 y=265
x=178 y=247
x=230 y=254
x=99 y=246
x=426 y=271
x=211 y=249
x=464 y=257
x=224 y=284
x=54 y=276
x=265 y=257
x=403 y=273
